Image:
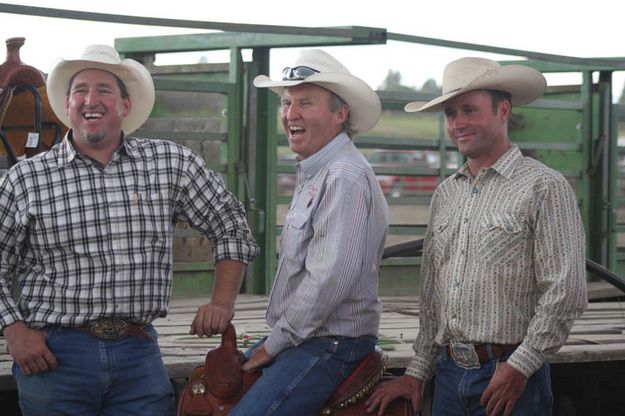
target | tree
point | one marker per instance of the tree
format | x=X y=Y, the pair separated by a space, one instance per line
x=431 y=87
x=392 y=82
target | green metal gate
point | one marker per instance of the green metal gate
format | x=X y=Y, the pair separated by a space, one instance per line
x=571 y=129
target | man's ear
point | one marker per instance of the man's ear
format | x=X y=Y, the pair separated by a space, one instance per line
x=505 y=110
x=341 y=114
x=127 y=106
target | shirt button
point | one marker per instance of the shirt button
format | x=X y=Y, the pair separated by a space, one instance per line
x=475 y=190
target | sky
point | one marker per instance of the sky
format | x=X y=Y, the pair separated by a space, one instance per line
x=564 y=27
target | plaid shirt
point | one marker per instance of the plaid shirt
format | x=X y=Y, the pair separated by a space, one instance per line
x=88 y=241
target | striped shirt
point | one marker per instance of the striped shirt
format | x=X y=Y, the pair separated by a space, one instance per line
x=503 y=262
x=331 y=245
x=88 y=241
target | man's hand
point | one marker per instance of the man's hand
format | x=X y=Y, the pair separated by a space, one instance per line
x=28 y=348
x=211 y=319
x=259 y=358
x=504 y=390
x=405 y=386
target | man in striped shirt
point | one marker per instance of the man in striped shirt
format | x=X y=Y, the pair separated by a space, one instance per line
x=503 y=264
x=324 y=309
x=87 y=229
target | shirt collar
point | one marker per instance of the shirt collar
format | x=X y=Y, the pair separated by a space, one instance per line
x=67 y=151
x=505 y=165
x=312 y=164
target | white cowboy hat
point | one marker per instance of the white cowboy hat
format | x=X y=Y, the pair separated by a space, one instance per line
x=317 y=67
x=524 y=84
x=135 y=77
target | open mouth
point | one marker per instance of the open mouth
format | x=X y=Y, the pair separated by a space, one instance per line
x=296 y=131
x=92 y=116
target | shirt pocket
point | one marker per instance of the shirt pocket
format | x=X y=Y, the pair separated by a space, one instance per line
x=142 y=217
x=294 y=238
x=441 y=238
x=502 y=239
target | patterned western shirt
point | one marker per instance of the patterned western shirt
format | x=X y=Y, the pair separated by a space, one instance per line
x=87 y=241
x=503 y=262
x=331 y=245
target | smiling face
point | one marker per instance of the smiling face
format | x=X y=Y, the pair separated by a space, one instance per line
x=308 y=120
x=96 y=108
x=477 y=129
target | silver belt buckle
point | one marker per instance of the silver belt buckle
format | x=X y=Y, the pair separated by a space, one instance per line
x=110 y=329
x=464 y=355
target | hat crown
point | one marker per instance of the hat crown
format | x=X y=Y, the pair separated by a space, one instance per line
x=320 y=61
x=135 y=77
x=101 y=53
x=462 y=72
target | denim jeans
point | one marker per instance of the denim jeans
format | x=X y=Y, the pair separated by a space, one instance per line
x=458 y=391
x=301 y=379
x=93 y=377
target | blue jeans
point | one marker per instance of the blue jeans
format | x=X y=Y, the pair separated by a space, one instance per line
x=301 y=379
x=458 y=391
x=93 y=377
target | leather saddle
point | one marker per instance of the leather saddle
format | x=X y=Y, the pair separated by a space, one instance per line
x=216 y=387
x=24 y=107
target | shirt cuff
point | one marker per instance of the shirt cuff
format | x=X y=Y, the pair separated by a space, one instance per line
x=8 y=318
x=420 y=368
x=526 y=360
x=278 y=341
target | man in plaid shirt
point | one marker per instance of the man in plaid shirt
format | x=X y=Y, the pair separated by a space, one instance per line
x=87 y=228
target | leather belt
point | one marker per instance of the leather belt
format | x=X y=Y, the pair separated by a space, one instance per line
x=496 y=351
x=113 y=329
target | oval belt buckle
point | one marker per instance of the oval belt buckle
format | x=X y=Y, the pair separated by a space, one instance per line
x=110 y=329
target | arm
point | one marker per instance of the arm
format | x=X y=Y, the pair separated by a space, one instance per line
x=11 y=241
x=213 y=317
x=421 y=366
x=558 y=259
x=423 y=362
x=212 y=210
x=26 y=346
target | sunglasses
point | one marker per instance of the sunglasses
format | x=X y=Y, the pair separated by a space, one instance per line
x=297 y=73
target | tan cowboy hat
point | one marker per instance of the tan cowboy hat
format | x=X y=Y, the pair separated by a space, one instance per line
x=135 y=77
x=524 y=84
x=317 y=67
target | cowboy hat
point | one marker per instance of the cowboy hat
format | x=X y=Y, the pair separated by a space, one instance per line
x=135 y=77
x=317 y=67
x=524 y=84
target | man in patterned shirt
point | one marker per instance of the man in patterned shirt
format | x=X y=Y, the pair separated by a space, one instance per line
x=87 y=230
x=503 y=263
x=324 y=310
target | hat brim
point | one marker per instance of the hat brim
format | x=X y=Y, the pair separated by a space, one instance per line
x=523 y=83
x=135 y=77
x=364 y=104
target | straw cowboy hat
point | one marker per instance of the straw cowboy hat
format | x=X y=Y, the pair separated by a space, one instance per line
x=135 y=77
x=317 y=67
x=524 y=84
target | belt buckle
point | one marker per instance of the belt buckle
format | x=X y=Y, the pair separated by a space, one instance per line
x=110 y=329
x=464 y=355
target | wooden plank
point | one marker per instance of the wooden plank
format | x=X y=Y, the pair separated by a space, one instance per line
x=598 y=335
